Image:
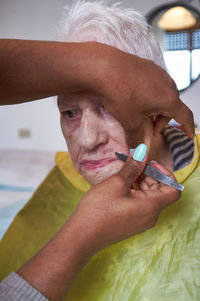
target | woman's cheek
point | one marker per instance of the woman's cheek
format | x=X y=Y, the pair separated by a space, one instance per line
x=69 y=126
x=74 y=148
x=70 y=133
x=116 y=131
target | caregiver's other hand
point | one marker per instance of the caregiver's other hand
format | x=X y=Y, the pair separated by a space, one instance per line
x=140 y=88
x=112 y=210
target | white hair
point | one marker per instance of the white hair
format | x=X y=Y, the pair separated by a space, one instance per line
x=123 y=28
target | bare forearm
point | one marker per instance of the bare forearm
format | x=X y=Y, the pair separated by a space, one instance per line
x=128 y=84
x=55 y=267
x=36 y=69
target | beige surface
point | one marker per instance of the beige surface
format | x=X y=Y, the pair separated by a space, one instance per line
x=20 y=174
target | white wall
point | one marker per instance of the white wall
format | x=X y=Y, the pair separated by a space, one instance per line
x=36 y=117
x=28 y=19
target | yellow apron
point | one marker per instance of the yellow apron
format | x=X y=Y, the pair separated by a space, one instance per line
x=161 y=264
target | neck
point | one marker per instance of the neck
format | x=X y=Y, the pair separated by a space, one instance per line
x=160 y=152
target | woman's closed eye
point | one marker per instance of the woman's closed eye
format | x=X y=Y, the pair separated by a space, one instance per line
x=72 y=114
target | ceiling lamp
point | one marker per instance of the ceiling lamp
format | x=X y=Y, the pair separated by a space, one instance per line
x=176 y=18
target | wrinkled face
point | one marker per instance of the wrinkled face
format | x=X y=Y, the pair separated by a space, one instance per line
x=92 y=135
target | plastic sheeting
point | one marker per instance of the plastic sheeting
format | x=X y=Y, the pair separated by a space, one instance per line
x=161 y=264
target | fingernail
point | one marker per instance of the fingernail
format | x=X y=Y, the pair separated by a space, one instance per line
x=153 y=162
x=131 y=150
x=140 y=152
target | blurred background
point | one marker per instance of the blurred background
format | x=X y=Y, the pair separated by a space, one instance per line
x=35 y=126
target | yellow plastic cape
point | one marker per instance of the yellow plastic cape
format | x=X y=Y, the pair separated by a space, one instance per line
x=161 y=264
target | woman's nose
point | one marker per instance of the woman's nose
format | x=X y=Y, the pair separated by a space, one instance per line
x=92 y=131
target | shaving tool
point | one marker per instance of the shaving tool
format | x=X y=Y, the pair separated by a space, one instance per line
x=154 y=173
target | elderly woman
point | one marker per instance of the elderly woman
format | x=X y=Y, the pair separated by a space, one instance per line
x=163 y=262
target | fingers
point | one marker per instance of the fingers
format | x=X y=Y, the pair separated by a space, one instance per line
x=162 y=169
x=134 y=166
x=159 y=123
x=150 y=183
x=160 y=195
x=164 y=195
x=184 y=116
x=157 y=199
x=170 y=194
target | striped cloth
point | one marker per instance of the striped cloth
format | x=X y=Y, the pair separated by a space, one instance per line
x=181 y=147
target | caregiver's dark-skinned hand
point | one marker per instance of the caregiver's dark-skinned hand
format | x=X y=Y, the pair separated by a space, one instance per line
x=128 y=85
x=109 y=212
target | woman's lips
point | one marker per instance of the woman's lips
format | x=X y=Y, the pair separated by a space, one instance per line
x=95 y=164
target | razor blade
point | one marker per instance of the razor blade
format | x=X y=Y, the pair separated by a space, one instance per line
x=154 y=173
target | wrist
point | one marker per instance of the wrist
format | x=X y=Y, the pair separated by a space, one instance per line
x=80 y=236
x=60 y=261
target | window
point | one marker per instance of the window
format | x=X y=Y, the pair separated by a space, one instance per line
x=181 y=47
x=182 y=56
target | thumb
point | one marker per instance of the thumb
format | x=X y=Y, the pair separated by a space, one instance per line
x=134 y=166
